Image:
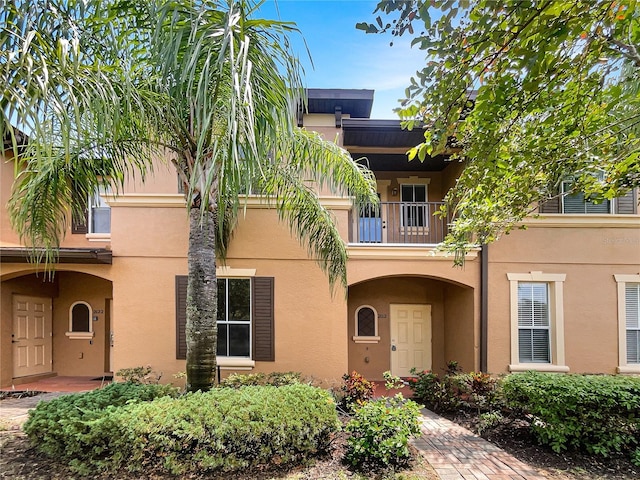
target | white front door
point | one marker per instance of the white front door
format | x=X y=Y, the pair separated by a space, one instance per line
x=31 y=335
x=410 y=338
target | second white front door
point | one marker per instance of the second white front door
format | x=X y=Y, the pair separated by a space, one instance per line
x=410 y=338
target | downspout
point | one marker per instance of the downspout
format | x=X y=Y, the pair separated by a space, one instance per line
x=484 y=305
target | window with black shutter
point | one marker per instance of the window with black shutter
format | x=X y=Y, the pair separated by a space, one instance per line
x=245 y=318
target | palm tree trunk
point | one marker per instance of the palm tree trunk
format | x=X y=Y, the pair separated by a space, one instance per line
x=202 y=299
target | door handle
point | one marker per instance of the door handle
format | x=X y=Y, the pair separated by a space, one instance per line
x=393 y=348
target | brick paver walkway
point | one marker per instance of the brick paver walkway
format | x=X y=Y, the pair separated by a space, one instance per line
x=457 y=454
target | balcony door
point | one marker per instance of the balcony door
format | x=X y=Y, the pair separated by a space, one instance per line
x=414 y=209
x=370 y=224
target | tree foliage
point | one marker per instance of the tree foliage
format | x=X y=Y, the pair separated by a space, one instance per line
x=526 y=92
x=104 y=87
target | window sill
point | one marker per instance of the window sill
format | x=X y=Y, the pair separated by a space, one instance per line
x=80 y=335
x=629 y=369
x=235 y=363
x=98 y=237
x=357 y=339
x=538 y=367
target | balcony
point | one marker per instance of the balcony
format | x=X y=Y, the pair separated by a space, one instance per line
x=398 y=223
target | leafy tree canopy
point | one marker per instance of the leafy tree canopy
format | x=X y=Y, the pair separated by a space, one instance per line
x=526 y=92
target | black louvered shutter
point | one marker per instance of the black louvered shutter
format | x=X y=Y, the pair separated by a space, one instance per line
x=181 y=317
x=263 y=319
x=552 y=205
x=79 y=213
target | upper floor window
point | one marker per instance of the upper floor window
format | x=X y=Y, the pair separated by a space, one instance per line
x=99 y=212
x=575 y=202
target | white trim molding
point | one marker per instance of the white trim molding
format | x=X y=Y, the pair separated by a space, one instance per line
x=177 y=200
x=235 y=363
x=623 y=366
x=231 y=272
x=587 y=220
x=556 y=337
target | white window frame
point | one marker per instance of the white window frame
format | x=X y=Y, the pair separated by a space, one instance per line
x=239 y=359
x=623 y=366
x=555 y=282
x=74 y=335
x=414 y=181
x=97 y=200
x=366 y=339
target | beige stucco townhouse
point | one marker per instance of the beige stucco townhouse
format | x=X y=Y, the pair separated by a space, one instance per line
x=561 y=296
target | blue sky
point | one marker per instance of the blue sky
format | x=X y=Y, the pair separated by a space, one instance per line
x=344 y=57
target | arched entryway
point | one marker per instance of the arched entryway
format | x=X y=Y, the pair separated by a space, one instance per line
x=54 y=325
x=400 y=322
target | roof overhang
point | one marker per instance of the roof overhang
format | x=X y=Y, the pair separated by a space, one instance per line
x=384 y=143
x=64 y=255
x=352 y=102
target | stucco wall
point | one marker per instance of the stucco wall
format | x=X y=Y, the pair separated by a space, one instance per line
x=461 y=340
x=590 y=257
x=72 y=357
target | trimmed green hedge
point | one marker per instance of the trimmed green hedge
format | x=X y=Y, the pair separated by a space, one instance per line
x=63 y=427
x=598 y=413
x=220 y=430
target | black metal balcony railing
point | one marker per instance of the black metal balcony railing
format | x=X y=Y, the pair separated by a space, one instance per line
x=399 y=222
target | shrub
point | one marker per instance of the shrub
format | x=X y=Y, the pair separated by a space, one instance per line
x=280 y=379
x=277 y=379
x=473 y=390
x=139 y=375
x=237 y=380
x=356 y=390
x=223 y=429
x=62 y=427
x=600 y=414
x=227 y=429
x=380 y=432
x=393 y=382
x=488 y=420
